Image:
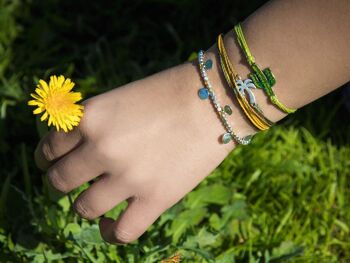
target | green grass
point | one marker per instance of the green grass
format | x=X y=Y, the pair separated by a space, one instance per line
x=284 y=197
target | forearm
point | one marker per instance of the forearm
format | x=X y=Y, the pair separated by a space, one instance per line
x=306 y=45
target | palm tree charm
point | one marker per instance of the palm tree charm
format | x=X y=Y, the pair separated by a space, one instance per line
x=245 y=87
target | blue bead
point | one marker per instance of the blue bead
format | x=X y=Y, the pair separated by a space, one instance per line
x=208 y=64
x=203 y=93
x=226 y=138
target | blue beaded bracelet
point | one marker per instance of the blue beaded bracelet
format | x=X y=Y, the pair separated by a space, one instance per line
x=208 y=92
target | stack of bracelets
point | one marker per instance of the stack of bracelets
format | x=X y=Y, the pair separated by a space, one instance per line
x=242 y=89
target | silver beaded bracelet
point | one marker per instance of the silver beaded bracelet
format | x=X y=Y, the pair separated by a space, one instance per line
x=208 y=92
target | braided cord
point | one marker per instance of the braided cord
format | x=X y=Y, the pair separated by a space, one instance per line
x=253 y=114
x=262 y=79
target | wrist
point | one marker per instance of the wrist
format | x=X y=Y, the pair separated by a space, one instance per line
x=204 y=114
x=240 y=123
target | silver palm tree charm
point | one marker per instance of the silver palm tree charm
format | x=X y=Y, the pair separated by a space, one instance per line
x=245 y=87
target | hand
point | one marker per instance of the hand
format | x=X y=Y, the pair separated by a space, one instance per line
x=149 y=142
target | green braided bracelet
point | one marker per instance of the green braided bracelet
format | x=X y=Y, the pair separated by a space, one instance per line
x=263 y=79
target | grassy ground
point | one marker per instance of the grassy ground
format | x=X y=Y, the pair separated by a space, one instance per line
x=289 y=202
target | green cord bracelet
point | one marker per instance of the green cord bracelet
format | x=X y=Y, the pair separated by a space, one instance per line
x=263 y=79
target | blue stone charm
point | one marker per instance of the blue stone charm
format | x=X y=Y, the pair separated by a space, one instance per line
x=208 y=64
x=226 y=138
x=203 y=93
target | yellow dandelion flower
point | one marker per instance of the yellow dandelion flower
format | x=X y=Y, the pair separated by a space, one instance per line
x=57 y=103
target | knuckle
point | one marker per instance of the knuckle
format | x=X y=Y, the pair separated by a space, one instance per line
x=48 y=151
x=103 y=148
x=88 y=117
x=56 y=181
x=88 y=103
x=82 y=210
x=107 y=150
x=123 y=236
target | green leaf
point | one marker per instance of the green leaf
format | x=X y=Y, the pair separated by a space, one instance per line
x=71 y=228
x=226 y=257
x=201 y=240
x=238 y=210
x=89 y=235
x=115 y=212
x=185 y=220
x=205 y=238
x=284 y=220
x=64 y=203
x=286 y=250
x=212 y=194
x=215 y=221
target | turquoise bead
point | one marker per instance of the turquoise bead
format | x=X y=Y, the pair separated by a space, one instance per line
x=226 y=138
x=208 y=64
x=203 y=93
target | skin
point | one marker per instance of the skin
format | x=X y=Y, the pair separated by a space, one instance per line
x=152 y=141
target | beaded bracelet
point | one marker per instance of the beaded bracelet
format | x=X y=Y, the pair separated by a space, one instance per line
x=254 y=114
x=207 y=91
x=263 y=79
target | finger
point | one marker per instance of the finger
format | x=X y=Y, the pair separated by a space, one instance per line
x=132 y=223
x=73 y=170
x=54 y=145
x=101 y=196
